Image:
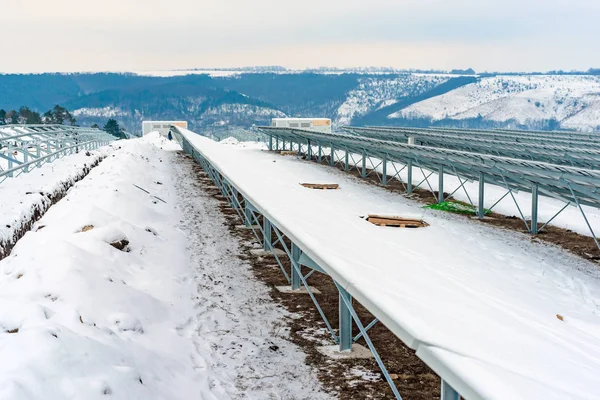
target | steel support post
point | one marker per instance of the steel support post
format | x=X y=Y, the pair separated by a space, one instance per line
x=270 y=142
x=534 y=209
x=266 y=234
x=320 y=154
x=299 y=147
x=346 y=161
x=448 y=392
x=309 y=151
x=332 y=159
x=409 y=179
x=277 y=143
x=248 y=215
x=384 y=166
x=10 y=161
x=345 y=320
x=481 y=208
x=296 y=279
x=235 y=200
x=441 y=185
x=363 y=172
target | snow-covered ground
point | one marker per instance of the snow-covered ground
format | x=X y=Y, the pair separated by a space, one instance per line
x=500 y=316
x=162 y=318
x=572 y=100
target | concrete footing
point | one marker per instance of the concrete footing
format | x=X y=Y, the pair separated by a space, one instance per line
x=358 y=352
x=267 y=253
x=302 y=290
x=256 y=227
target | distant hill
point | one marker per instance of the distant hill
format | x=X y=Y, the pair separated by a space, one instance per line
x=538 y=102
x=242 y=98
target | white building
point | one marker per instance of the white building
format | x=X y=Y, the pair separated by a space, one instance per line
x=162 y=127
x=312 y=124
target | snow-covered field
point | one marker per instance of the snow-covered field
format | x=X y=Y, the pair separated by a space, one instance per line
x=162 y=317
x=572 y=100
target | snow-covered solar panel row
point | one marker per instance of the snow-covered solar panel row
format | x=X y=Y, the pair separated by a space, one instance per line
x=23 y=147
x=570 y=138
x=558 y=181
x=582 y=156
x=479 y=307
x=591 y=140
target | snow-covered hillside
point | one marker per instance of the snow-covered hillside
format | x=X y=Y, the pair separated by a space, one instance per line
x=574 y=101
x=244 y=111
x=106 y=112
x=374 y=93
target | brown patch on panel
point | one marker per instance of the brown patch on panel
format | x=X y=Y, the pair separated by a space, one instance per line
x=397 y=222
x=323 y=186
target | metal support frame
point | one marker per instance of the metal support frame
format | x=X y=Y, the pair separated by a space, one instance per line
x=363 y=172
x=441 y=184
x=409 y=179
x=345 y=318
x=346 y=162
x=332 y=156
x=384 y=174
x=534 y=209
x=296 y=272
x=266 y=235
x=481 y=200
x=35 y=145
x=448 y=392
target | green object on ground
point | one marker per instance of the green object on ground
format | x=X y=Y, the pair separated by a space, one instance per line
x=452 y=206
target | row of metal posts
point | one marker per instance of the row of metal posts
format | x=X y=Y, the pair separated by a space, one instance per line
x=481 y=211
x=38 y=146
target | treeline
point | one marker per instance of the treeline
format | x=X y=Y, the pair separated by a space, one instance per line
x=56 y=116
x=112 y=127
x=25 y=115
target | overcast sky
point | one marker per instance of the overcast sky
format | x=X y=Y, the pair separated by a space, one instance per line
x=128 y=35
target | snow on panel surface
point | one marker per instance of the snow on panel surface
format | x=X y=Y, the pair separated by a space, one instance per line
x=488 y=296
